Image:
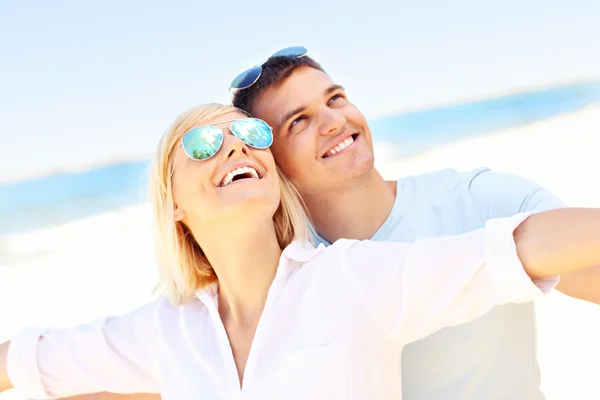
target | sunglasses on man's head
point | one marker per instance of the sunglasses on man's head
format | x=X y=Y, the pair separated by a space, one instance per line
x=203 y=142
x=250 y=76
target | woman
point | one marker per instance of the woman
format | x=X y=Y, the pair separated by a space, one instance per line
x=252 y=310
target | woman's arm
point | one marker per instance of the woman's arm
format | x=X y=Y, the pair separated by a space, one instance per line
x=5 y=383
x=559 y=241
x=112 y=354
x=415 y=289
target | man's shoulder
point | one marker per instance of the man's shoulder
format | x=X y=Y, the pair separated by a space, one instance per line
x=440 y=182
x=482 y=179
x=491 y=194
x=479 y=192
x=446 y=176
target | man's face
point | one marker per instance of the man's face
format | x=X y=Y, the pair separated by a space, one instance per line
x=322 y=141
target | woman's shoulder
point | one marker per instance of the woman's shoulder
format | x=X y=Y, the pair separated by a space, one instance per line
x=163 y=305
x=168 y=313
x=307 y=249
x=307 y=252
x=358 y=252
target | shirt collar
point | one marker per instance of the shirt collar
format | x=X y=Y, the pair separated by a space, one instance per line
x=299 y=251
x=302 y=251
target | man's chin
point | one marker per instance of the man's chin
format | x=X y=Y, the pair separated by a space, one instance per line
x=348 y=178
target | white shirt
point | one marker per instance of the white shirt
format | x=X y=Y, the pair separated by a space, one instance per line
x=333 y=327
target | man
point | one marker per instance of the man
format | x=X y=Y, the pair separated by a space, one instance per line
x=324 y=144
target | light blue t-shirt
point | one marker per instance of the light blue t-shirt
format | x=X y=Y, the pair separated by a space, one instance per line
x=494 y=357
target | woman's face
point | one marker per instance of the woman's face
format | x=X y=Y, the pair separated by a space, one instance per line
x=236 y=185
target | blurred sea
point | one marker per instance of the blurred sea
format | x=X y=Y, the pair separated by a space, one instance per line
x=43 y=202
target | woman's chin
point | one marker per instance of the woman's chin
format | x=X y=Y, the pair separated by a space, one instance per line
x=246 y=205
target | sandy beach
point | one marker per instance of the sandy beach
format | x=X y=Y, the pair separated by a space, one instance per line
x=105 y=264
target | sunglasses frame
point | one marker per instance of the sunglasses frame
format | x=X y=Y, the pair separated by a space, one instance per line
x=260 y=68
x=231 y=123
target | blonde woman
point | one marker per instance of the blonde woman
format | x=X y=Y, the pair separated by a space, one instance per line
x=250 y=309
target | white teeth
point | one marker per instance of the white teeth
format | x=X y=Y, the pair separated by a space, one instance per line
x=239 y=171
x=341 y=146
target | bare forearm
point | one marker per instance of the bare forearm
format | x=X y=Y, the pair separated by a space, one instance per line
x=559 y=242
x=583 y=285
x=5 y=383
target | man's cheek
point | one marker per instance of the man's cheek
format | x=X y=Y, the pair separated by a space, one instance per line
x=285 y=162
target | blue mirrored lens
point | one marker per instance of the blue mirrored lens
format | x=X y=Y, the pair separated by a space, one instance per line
x=203 y=142
x=247 y=78
x=254 y=132
x=296 y=51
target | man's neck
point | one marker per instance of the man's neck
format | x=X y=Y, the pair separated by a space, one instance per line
x=354 y=212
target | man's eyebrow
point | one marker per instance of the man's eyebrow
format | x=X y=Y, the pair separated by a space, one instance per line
x=333 y=88
x=298 y=110
x=290 y=114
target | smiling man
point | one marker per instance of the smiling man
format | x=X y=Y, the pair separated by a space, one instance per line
x=324 y=144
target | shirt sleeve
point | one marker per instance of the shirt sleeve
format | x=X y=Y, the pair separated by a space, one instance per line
x=500 y=195
x=415 y=289
x=113 y=354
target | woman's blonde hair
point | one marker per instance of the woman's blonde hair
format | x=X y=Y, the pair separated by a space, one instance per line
x=183 y=267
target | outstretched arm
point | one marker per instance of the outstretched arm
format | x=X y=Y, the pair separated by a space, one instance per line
x=578 y=278
x=498 y=195
x=559 y=241
x=109 y=354
x=5 y=383
x=421 y=287
x=582 y=285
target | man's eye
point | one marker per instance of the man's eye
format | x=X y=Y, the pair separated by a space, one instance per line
x=334 y=98
x=294 y=122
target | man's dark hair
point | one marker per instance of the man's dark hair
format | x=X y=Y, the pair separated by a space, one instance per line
x=274 y=71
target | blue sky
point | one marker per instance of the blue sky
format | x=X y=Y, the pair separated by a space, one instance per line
x=86 y=82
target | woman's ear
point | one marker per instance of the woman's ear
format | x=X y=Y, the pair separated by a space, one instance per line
x=178 y=214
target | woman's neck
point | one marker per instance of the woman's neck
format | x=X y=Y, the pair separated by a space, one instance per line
x=245 y=262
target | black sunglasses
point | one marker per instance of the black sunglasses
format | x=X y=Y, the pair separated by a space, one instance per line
x=250 y=76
